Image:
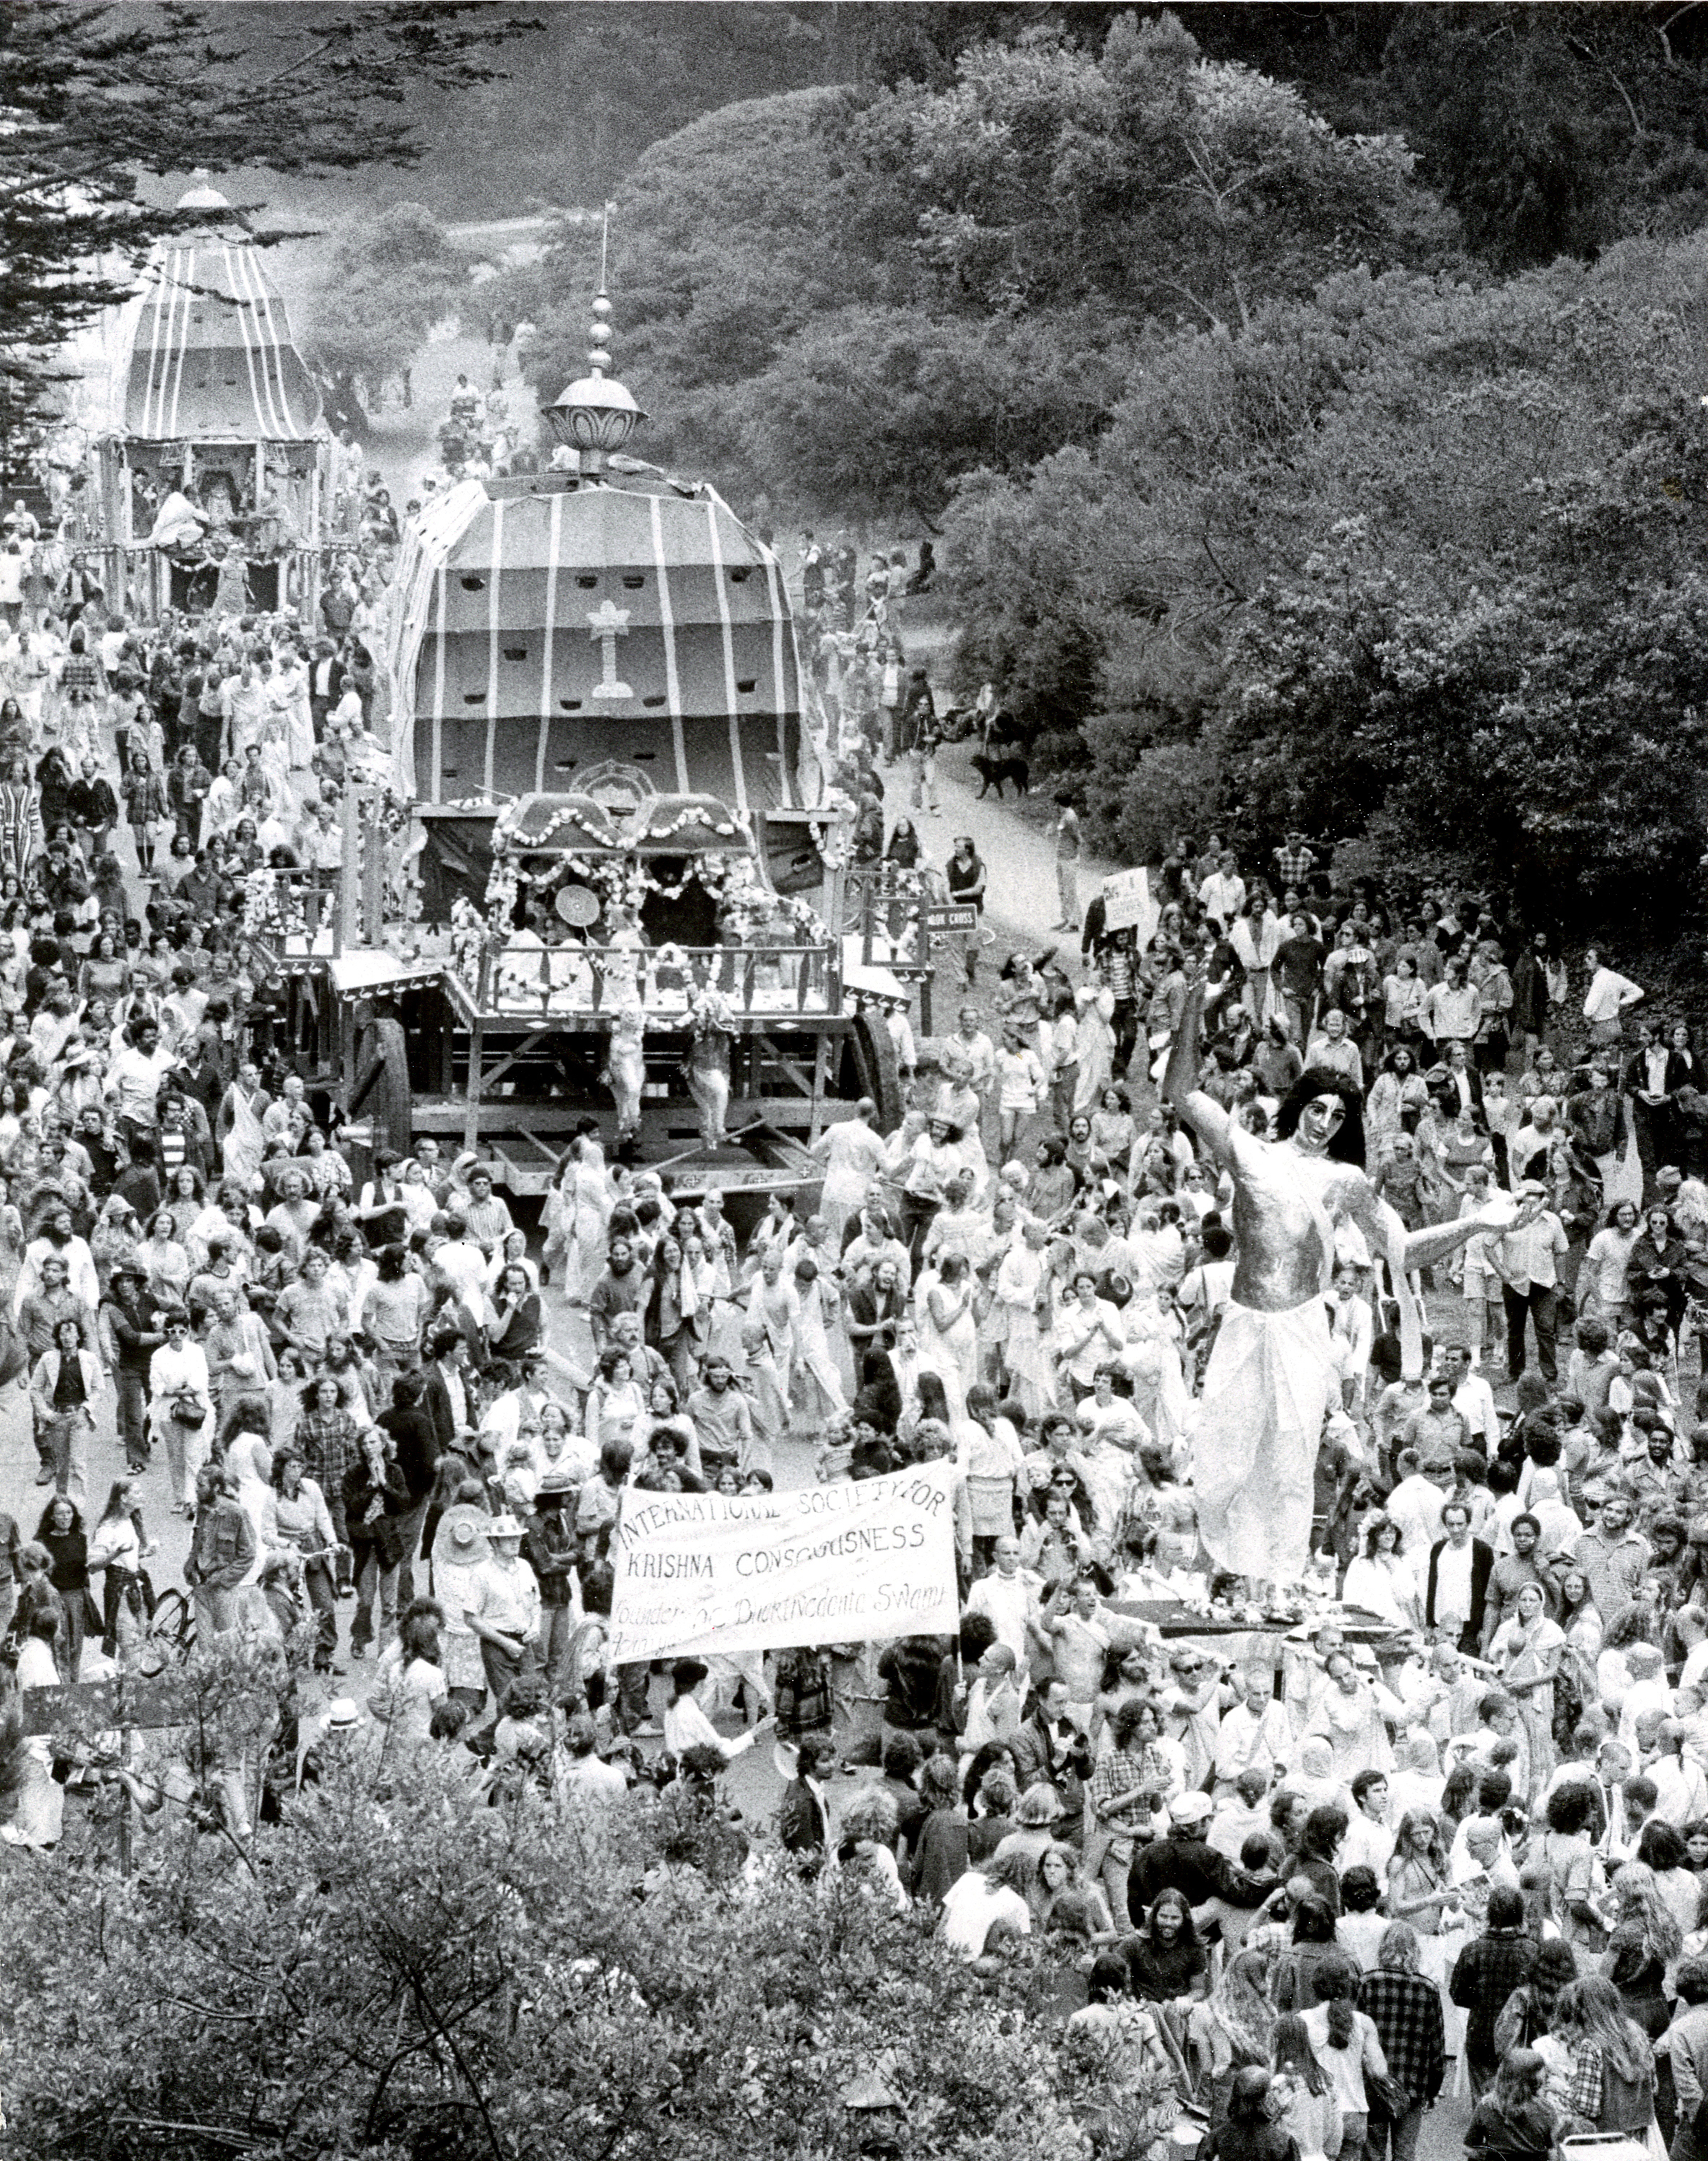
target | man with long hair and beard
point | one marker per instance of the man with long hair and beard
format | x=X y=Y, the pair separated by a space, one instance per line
x=1270 y=1377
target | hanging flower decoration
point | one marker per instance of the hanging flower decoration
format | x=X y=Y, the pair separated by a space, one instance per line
x=468 y=938
x=503 y=886
x=711 y=1012
x=272 y=907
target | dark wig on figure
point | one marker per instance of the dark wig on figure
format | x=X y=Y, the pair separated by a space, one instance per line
x=1348 y=1145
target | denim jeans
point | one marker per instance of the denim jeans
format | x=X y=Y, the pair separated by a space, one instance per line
x=557 y=1629
x=409 y=1525
x=66 y=1439
x=1398 y=2133
x=323 y=1600
x=632 y=1709
x=370 y=1575
x=133 y=1393
x=216 y=1612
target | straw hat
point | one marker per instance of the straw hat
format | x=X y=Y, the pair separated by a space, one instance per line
x=460 y=1540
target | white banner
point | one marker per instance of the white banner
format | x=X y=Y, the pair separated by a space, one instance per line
x=701 y=1572
x=1128 y=904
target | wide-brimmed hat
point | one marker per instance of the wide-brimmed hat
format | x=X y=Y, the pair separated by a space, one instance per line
x=342 y=1714
x=504 y=1527
x=462 y=1535
x=556 y=1481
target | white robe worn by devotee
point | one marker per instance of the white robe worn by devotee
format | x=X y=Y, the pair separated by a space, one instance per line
x=1266 y=1387
x=853 y=1155
x=1251 y=1741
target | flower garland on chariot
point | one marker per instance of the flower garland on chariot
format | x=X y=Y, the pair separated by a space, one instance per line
x=748 y=907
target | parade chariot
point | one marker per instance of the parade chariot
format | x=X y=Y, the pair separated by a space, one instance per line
x=625 y=860
x=209 y=460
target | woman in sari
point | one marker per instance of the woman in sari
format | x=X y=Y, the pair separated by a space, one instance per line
x=577 y=1211
x=242 y=1141
x=1580 y=1622
x=1528 y=1650
x=1418 y=1888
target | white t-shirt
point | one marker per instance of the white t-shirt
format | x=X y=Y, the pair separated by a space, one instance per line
x=136 y=1081
x=971 y=1908
x=1606 y=988
x=1453 y=1582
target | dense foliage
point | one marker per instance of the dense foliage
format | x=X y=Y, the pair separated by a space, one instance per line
x=103 y=100
x=1271 y=479
x=1405 y=559
x=857 y=296
x=410 y=1970
x=1551 y=130
x=386 y=282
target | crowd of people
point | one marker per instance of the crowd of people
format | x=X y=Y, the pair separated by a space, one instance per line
x=1441 y=1793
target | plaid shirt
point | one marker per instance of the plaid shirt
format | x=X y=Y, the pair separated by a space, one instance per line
x=1579 y=2092
x=1295 y=866
x=1487 y=1972
x=1405 y=2009
x=329 y=1446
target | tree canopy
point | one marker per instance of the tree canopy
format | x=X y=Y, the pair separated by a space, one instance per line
x=386 y=282
x=859 y=294
x=102 y=99
x=400 y=1968
x=1407 y=559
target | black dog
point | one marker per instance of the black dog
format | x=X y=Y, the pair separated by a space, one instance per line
x=992 y=772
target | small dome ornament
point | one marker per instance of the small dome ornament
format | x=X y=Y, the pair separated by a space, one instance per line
x=594 y=415
x=202 y=195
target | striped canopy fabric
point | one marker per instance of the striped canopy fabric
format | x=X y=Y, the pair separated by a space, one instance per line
x=210 y=358
x=542 y=626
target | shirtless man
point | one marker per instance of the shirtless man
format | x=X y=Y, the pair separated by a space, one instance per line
x=1271 y=1371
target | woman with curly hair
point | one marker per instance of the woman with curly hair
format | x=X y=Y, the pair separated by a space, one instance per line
x=1566 y=1851
x=1418 y=1888
x=1378 y=1580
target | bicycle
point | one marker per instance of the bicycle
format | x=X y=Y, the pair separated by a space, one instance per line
x=170 y=1634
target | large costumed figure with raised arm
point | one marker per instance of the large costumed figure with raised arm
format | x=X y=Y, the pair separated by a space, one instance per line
x=1271 y=1375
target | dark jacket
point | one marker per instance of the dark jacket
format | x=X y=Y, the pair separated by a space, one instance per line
x=801 y=1821
x=912 y=1674
x=436 y=1402
x=384 y=1534
x=1035 y=1752
x=416 y=1445
x=1481 y=1567
x=128 y=1314
x=1198 y=1870
x=1529 y=995
x=223 y=1548
x=549 y=1545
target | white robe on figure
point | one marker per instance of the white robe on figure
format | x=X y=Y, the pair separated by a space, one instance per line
x=1258 y=1423
x=854 y=1155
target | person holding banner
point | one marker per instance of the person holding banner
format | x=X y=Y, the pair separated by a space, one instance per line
x=686 y=1726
